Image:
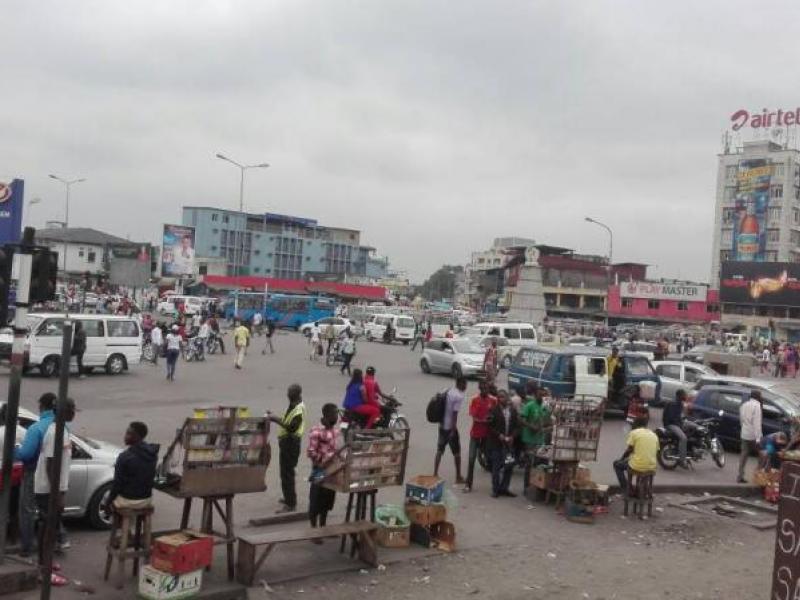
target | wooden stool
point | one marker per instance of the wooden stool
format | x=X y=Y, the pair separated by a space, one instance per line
x=640 y=492
x=119 y=543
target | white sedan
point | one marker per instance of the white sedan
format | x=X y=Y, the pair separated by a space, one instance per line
x=339 y=325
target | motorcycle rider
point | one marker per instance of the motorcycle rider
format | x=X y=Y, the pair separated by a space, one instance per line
x=373 y=389
x=673 y=421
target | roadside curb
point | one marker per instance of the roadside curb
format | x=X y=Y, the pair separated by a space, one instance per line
x=713 y=489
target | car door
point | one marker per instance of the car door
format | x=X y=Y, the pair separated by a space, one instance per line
x=433 y=351
x=729 y=402
x=448 y=357
x=590 y=376
x=47 y=339
x=78 y=477
x=670 y=380
x=95 y=355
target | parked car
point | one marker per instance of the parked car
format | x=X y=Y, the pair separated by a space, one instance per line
x=457 y=357
x=767 y=387
x=678 y=375
x=90 y=476
x=113 y=343
x=517 y=334
x=403 y=327
x=581 y=340
x=339 y=325
x=646 y=349
x=505 y=351
x=575 y=370
x=697 y=354
x=777 y=411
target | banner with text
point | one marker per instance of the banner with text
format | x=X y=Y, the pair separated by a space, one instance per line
x=663 y=291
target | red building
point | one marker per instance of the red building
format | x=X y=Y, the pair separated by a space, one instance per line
x=663 y=301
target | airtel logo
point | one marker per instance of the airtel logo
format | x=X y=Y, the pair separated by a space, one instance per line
x=5 y=192
x=766 y=118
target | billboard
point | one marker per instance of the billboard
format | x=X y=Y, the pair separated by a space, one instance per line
x=663 y=291
x=771 y=284
x=12 y=197
x=129 y=265
x=177 y=254
x=751 y=204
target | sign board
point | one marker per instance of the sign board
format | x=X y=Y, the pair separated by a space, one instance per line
x=663 y=291
x=129 y=265
x=786 y=568
x=12 y=197
x=764 y=118
x=770 y=284
x=177 y=254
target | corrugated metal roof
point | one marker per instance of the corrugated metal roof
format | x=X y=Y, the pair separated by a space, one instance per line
x=80 y=235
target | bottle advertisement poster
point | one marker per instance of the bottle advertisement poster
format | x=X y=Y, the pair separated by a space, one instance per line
x=752 y=210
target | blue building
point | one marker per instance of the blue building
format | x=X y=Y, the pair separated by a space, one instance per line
x=281 y=246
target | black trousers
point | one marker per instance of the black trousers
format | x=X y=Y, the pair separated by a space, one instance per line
x=320 y=502
x=288 y=455
x=79 y=360
x=346 y=364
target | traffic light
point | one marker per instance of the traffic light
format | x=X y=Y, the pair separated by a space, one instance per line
x=44 y=270
x=6 y=258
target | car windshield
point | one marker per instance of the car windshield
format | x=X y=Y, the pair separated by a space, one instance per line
x=466 y=347
x=405 y=322
x=785 y=398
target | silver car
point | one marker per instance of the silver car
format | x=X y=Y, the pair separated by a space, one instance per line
x=456 y=356
x=505 y=351
x=679 y=375
x=90 y=475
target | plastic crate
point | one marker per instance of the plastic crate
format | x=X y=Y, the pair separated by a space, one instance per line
x=425 y=489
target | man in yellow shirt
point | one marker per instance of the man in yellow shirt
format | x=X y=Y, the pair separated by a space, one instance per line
x=241 y=339
x=640 y=453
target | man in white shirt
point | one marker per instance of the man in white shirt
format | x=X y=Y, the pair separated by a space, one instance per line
x=44 y=476
x=157 y=341
x=751 y=432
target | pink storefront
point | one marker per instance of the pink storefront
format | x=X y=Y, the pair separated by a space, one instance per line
x=672 y=302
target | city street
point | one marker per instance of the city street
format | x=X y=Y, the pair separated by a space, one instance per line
x=107 y=403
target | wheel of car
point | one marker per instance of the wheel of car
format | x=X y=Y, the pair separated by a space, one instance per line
x=423 y=364
x=306 y=331
x=405 y=342
x=506 y=361
x=456 y=371
x=98 y=516
x=115 y=364
x=49 y=366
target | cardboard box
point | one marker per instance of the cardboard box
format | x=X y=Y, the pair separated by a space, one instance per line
x=394 y=537
x=540 y=478
x=158 y=585
x=182 y=552
x=439 y=535
x=425 y=489
x=426 y=514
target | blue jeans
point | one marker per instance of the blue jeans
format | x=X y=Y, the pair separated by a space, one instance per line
x=172 y=358
x=27 y=511
x=621 y=470
x=501 y=473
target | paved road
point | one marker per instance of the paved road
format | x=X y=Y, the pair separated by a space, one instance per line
x=108 y=403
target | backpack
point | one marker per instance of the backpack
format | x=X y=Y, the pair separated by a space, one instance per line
x=436 y=407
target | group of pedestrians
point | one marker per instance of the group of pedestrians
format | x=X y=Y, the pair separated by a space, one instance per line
x=325 y=341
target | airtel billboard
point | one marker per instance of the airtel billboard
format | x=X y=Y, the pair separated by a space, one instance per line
x=765 y=118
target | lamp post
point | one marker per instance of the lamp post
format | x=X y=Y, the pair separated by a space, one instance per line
x=68 y=183
x=610 y=254
x=32 y=202
x=240 y=247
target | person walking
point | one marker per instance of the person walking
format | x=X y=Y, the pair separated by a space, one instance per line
x=173 y=343
x=490 y=362
x=241 y=339
x=751 y=431
x=28 y=455
x=316 y=343
x=348 y=351
x=419 y=336
x=258 y=319
x=292 y=425
x=448 y=429
x=270 y=327
x=479 y=409
x=79 y=347
x=503 y=428
x=156 y=341
x=330 y=337
x=322 y=443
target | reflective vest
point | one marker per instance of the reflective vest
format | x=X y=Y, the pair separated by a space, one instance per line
x=290 y=416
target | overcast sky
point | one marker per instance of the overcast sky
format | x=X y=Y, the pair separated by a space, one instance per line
x=431 y=126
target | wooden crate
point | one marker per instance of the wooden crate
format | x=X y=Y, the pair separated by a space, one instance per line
x=370 y=459
x=576 y=428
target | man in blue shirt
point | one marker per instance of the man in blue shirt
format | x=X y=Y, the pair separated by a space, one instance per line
x=28 y=454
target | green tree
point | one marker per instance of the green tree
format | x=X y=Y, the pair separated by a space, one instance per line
x=441 y=284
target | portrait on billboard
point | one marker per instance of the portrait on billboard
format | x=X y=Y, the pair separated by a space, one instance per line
x=775 y=283
x=177 y=257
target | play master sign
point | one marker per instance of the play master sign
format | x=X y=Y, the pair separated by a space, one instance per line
x=663 y=291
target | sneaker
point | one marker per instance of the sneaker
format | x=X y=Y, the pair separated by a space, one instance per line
x=467 y=489
x=65 y=545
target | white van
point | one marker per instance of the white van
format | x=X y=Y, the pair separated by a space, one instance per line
x=191 y=304
x=402 y=326
x=112 y=343
x=518 y=334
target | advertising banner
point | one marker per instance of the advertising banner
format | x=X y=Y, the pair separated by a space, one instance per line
x=129 y=265
x=752 y=206
x=775 y=283
x=12 y=201
x=177 y=254
x=663 y=291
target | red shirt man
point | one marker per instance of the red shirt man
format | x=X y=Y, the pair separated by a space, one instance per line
x=479 y=409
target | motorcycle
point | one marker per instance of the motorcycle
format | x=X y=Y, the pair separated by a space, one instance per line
x=335 y=355
x=193 y=349
x=214 y=342
x=390 y=417
x=701 y=440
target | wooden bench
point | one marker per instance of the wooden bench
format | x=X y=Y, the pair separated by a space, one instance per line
x=250 y=561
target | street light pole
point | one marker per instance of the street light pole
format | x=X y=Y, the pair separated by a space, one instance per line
x=67 y=185
x=610 y=255
x=238 y=255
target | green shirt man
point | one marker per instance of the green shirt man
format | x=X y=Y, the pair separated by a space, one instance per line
x=536 y=417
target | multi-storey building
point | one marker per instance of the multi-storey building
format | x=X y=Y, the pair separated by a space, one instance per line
x=280 y=246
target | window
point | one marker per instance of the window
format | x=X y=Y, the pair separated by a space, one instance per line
x=511 y=334
x=727 y=237
x=692 y=375
x=774 y=213
x=728 y=215
x=683 y=306
x=91 y=256
x=796 y=216
x=638 y=365
x=225 y=219
x=730 y=193
x=729 y=402
x=730 y=172
x=214 y=216
x=777 y=170
x=725 y=255
x=771 y=255
x=773 y=235
x=80 y=252
x=627 y=303
x=712 y=308
x=123 y=329
x=597 y=366
x=93 y=327
x=215 y=230
x=203 y=269
x=653 y=304
x=51 y=328
x=670 y=371
x=532 y=359
x=776 y=191
x=526 y=333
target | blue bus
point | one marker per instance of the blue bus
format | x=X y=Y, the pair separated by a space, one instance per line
x=285 y=310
